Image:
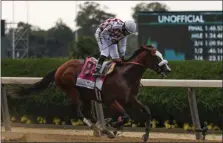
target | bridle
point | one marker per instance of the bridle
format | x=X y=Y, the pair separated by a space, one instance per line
x=161 y=68
x=159 y=65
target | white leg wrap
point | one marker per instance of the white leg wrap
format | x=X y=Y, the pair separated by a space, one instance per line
x=87 y=122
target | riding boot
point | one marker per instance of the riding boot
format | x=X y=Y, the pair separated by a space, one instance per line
x=98 y=66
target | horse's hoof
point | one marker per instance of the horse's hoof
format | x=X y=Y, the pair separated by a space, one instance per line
x=96 y=133
x=110 y=135
x=108 y=120
x=145 y=138
x=115 y=133
x=104 y=130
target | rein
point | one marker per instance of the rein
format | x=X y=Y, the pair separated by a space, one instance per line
x=134 y=63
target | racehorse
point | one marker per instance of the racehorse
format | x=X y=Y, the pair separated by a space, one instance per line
x=119 y=88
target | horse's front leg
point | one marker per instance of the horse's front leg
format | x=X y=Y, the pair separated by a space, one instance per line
x=140 y=113
x=122 y=119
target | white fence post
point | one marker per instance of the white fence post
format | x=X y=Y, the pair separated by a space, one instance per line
x=5 y=110
x=100 y=113
x=194 y=111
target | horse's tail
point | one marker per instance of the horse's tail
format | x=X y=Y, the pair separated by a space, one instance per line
x=36 y=87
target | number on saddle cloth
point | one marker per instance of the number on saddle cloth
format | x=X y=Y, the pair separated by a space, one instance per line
x=89 y=66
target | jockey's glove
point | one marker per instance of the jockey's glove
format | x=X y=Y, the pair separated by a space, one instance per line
x=114 y=40
x=117 y=60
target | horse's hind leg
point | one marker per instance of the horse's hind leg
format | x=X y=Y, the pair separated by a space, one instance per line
x=77 y=102
x=93 y=126
x=65 y=78
x=74 y=94
x=88 y=110
x=66 y=81
x=140 y=113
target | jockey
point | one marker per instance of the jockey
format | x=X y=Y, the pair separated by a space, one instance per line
x=108 y=36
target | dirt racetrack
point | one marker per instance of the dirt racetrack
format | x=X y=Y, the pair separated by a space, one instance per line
x=69 y=135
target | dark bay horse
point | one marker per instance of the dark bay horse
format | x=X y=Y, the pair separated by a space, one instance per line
x=119 y=90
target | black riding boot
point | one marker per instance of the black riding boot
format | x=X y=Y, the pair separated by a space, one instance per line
x=99 y=65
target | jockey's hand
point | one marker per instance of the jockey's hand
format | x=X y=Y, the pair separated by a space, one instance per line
x=118 y=60
x=114 y=40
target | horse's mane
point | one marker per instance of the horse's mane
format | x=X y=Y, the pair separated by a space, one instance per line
x=135 y=53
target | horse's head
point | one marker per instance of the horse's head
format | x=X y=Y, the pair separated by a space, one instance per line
x=155 y=61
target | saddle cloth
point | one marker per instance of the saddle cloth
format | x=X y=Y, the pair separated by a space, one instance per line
x=85 y=78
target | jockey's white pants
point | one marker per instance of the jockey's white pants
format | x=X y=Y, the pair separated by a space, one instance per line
x=105 y=46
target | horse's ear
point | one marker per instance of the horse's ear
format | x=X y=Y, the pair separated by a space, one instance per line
x=152 y=50
x=144 y=47
x=147 y=46
x=150 y=46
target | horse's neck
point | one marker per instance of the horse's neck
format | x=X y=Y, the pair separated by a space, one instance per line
x=134 y=72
